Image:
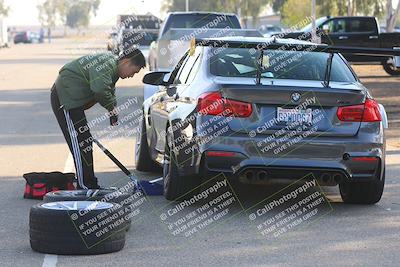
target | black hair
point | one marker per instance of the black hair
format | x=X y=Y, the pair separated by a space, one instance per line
x=135 y=56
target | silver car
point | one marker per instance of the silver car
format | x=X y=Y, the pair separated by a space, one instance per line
x=261 y=109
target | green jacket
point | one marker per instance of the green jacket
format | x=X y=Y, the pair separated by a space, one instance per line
x=87 y=79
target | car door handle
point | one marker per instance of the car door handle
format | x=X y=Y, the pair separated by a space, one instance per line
x=373 y=37
x=343 y=37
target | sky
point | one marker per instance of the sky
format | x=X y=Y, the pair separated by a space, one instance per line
x=24 y=12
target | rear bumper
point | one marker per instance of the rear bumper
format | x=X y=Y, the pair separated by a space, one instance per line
x=287 y=168
x=355 y=158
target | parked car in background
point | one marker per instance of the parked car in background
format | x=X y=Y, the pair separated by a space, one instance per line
x=177 y=31
x=355 y=32
x=269 y=30
x=133 y=30
x=26 y=37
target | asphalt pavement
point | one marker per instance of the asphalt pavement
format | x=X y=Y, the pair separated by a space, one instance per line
x=241 y=228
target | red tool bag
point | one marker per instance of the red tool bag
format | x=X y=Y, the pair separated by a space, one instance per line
x=39 y=184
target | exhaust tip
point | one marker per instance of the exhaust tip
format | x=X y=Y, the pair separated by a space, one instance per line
x=338 y=178
x=261 y=175
x=326 y=177
x=249 y=174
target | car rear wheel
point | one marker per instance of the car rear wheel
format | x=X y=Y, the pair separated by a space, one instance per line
x=362 y=192
x=177 y=187
x=143 y=159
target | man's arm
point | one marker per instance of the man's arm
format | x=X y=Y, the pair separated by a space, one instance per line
x=102 y=86
x=90 y=104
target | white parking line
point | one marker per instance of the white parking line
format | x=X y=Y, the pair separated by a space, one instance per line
x=51 y=260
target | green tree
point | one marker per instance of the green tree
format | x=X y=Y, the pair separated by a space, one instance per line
x=277 y=5
x=251 y=8
x=343 y=7
x=78 y=13
x=52 y=11
x=367 y=7
x=62 y=10
x=72 y=13
x=4 y=9
x=47 y=13
x=207 y=5
x=294 y=11
x=331 y=8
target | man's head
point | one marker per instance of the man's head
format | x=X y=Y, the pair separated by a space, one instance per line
x=130 y=62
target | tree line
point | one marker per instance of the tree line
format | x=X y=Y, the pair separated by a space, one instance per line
x=76 y=13
x=293 y=11
x=72 y=13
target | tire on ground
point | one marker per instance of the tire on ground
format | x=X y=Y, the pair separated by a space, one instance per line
x=76 y=228
x=107 y=195
x=366 y=192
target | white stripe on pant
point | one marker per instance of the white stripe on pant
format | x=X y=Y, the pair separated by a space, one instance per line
x=75 y=148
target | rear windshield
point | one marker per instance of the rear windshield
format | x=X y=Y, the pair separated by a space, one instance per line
x=200 y=20
x=296 y=65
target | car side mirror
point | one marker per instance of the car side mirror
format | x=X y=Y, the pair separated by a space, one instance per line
x=155 y=78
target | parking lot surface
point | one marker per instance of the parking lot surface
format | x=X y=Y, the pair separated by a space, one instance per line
x=239 y=232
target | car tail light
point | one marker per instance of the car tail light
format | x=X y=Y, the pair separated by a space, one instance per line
x=220 y=154
x=215 y=104
x=365 y=159
x=367 y=112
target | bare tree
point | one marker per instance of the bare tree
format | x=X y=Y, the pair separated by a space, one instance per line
x=48 y=13
x=391 y=15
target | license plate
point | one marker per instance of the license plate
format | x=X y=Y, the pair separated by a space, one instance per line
x=303 y=116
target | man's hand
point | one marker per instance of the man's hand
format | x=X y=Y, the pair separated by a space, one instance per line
x=113 y=117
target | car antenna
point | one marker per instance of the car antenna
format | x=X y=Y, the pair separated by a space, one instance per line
x=328 y=70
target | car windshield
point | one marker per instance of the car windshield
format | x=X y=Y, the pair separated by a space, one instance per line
x=278 y=64
x=265 y=29
x=200 y=20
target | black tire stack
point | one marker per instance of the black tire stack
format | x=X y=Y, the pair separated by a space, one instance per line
x=80 y=222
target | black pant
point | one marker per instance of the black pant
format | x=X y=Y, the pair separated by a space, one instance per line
x=74 y=127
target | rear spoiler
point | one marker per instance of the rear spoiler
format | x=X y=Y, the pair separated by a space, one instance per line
x=295 y=45
x=303 y=46
x=186 y=34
